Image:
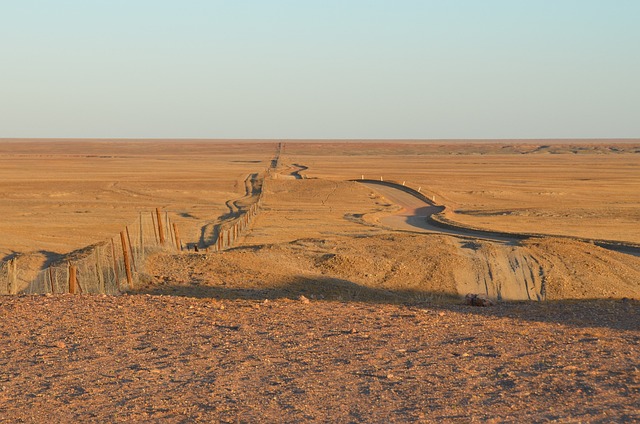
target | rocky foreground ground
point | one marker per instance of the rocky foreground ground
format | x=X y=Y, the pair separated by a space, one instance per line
x=142 y=358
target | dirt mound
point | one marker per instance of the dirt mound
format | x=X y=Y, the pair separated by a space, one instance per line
x=401 y=267
x=385 y=267
x=575 y=270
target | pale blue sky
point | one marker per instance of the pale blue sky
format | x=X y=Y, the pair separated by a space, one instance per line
x=320 y=69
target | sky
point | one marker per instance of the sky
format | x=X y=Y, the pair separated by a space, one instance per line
x=360 y=69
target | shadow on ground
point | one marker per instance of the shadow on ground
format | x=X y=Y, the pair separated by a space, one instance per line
x=622 y=314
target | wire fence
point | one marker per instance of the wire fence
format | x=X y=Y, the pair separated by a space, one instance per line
x=116 y=265
x=110 y=267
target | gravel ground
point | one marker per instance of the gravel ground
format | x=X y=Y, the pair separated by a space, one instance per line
x=149 y=358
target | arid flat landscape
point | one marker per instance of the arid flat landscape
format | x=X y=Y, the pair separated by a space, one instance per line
x=58 y=197
x=343 y=300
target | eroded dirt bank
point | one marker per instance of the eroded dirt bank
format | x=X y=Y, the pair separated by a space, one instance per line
x=173 y=359
x=400 y=267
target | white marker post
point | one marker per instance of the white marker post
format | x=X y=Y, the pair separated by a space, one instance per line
x=362 y=177
x=419 y=189
x=403 y=183
x=380 y=178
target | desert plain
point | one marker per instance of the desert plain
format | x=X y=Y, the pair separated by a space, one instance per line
x=339 y=303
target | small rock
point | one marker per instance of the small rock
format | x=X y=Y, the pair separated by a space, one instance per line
x=303 y=299
x=478 y=300
x=60 y=345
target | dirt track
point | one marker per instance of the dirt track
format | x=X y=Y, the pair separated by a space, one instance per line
x=414 y=213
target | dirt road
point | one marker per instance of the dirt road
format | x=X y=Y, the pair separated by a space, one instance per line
x=414 y=213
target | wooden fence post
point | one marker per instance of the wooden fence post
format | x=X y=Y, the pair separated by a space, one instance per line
x=133 y=257
x=53 y=290
x=125 y=255
x=9 y=268
x=155 y=229
x=168 y=227
x=14 y=277
x=115 y=264
x=177 y=236
x=160 y=229
x=73 y=279
x=141 y=239
x=99 y=271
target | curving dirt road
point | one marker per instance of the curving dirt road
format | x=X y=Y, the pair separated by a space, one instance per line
x=414 y=213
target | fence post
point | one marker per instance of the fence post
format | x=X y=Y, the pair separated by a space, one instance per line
x=168 y=227
x=125 y=255
x=153 y=224
x=133 y=257
x=160 y=230
x=99 y=271
x=14 y=277
x=177 y=236
x=73 y=281
x=9 y=276
x=141 y=239
x=9 y=267
x=115 y=264
x=53 y=290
